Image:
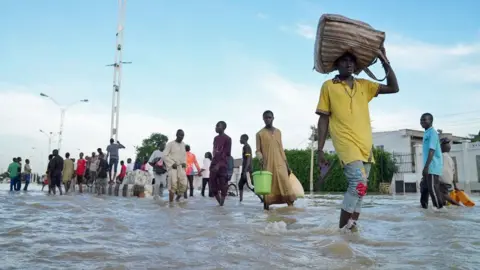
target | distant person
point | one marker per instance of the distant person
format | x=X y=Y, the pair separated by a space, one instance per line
x=46 y=181
x=247 y=167
x=102 y=175
x=80 y=171
x=27 y=170
x=93 y=167
x=130 y=165
x=271 y=154
x=175 y=157
x=205 y=173
x=432 y=161
x=144 y=165
x=137 y=165
x=222 y=147
x=55 y=170
x=159 y=170
x=343 y=110
x=123 y=172
x=112 y=152
x=18 y=184
x=13 y=173
x=74 y=178
x=447 y=181
x=191 y=161
x=68 y=172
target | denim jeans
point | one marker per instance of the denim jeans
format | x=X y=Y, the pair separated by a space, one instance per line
x=27 y=181
x=356 y=173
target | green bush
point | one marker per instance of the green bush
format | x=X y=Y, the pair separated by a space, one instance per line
x=299 y=162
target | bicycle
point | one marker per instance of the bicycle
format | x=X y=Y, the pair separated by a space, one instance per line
x=232 y=189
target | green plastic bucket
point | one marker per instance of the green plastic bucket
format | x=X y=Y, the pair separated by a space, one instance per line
x=262 y=181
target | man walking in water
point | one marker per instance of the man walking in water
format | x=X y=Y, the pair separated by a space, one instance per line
x=159 y=170
x=222 y=147
x=175 y=157
x=343 y=107
x=27 y=170
x=55 y=172
x=14 y=174
x=112 y=152
x=191 y=161
x=81 y=170
x=101 y=182
x=246 y=174
x=432 y=160
x=68 y=172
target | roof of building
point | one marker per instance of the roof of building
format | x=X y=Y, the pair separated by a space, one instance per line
x=419 y=134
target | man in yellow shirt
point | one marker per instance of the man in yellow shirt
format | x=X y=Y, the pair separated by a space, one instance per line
x=343 y=110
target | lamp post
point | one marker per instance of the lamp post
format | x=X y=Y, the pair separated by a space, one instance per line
x=117 y=70
x=49 y=135
x=63 y=109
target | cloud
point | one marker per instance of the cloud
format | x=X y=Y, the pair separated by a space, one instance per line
x=261 y=15
x=87 y=126
x=305 y=31
x=453 y=61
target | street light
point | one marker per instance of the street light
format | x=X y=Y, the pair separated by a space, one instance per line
x=117 y=70
x=62 y=115
x=50 y=135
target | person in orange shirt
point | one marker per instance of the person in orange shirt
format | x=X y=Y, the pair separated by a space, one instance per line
x=191 y=161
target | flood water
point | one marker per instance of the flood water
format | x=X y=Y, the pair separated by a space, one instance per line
x=82 y=231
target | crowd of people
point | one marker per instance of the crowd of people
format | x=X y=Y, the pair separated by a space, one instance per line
x=343 y=110
x=16 y=174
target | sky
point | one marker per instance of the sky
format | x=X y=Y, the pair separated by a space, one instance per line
x=198 y=62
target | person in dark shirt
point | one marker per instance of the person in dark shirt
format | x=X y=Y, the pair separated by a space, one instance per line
x=55 y=168
x=102 y=174
x=222 y=145
x=46 y=182
x=246 y=165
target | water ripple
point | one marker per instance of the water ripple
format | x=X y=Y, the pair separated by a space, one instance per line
x=80 y=231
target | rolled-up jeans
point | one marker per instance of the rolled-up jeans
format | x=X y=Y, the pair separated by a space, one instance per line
x=356 y=173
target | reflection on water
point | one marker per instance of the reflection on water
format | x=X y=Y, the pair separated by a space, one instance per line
x=88 y=232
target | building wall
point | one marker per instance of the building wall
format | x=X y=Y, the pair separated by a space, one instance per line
x=393 y=141
x=467 y=159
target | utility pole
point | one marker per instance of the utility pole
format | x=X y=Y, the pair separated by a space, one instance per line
x=117 y=71
x=313 y=138
x=63 y=109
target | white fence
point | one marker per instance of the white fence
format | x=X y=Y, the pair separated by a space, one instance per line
x=466 y=157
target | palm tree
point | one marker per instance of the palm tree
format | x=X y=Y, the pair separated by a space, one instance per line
x=314 y=133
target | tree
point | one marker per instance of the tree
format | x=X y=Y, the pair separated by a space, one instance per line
x=475 y=138
x=149 y=145
x=314 y=133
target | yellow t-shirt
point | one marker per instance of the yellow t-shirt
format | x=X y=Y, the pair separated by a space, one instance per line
x=349 y=126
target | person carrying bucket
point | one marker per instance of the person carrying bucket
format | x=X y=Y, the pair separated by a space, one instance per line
x=270 y=152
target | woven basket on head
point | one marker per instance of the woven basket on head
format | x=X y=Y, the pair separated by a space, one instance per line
x=337 y=35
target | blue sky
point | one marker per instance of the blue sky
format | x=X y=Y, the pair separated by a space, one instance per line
x=198 y=62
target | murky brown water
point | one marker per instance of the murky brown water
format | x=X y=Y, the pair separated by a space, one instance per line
x=87 y=232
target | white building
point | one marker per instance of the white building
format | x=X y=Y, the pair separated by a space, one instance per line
x=406 y=147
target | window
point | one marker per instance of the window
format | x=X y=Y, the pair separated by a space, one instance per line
x=478 y=167
x=455 y=175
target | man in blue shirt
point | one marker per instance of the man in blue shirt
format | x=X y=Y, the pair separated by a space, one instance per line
x=432 y=161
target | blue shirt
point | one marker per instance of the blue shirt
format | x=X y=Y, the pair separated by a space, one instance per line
x=431 y=141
